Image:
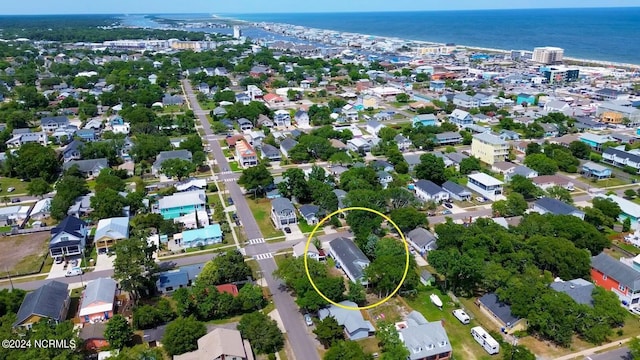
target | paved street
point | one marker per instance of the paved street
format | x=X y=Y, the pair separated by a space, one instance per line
x=617 y=354
x=303 y=346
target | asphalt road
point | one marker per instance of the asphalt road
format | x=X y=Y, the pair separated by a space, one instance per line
x=303 y=345
x=617 y=354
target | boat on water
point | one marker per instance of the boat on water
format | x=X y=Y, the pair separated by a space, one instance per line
x=436 y=300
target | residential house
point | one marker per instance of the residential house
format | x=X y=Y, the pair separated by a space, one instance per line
x=166 y=155
x=556 y=106
x=339 y=145
x=191 y=185
x=382 y=165
x=98 y=301
x=245 y=154
x=20 y=138
x=232 y=140
x=448 y=138
x=550 y=130
x=270 y=152
x=426 y=190
x=220 y=344
x=489 y=148
x=282 y=118
x=192 y=220
x=41 y=210
x=302 y=119
x=503 y=167
x=384 y=178
x=619 y=157
x=545 y=182
x=623 y=280
x=373 y=127
x=359 y=145
x=402 y=142
x=286 y=145
x=461 y=117
x=492 y=306
x=171 y=280
x=245 y=124
x=425 y=340
x=254 y=92
x=264 y=121
x=456 y=158
x=487 y=186
x=351 y=114
x=521 y=170
x=355 y=326
x=597 y=171
x=50 y=301
x=427 y=278
x=283 y=213
x=412 y=160
x=109 y=231
x=310 y=213
x=172 y=100
x=465 y=101
x=273 y=99
x=349 y=258
x=312 y=252
x=629 y=209
x=456 y=192
x=51 y=124
x=82 y=206
x=87 y=135
x=72 y=151
x=425 y=120
x=153 y=337
x=595 y=141
x=201 y=237
x=528 y=99
x=422 y=240
x=547 y=205
x=68 y=238
x=580 y=290
x=179 y=204
x=341 y=195
x=507 y=135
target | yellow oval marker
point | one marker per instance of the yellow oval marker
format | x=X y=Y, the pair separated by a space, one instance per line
x=340 y=211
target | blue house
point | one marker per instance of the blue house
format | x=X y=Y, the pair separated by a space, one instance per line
x=593 y=140
x=461 y=117
x=169 y=281
x=87 y=134
x=424 y=120
x=597 y=171
x=208 y=235
x=525 y=98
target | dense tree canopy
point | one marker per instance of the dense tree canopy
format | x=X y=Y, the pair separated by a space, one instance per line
x=262 y=332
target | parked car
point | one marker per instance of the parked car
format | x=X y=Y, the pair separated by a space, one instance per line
x=634 y=310
x=15 y=200
x=308 y=320
x=480 y=199
x=446 y=212
x=230 y=200
x=462 y=316
x=237 y=222
x=11 y=189
x=287 y=230
x=74 y=262
x=74 y=272
x=447 y=205
x=59 y=260
x=234 y=216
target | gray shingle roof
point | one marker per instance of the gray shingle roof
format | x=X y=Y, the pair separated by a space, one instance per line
x=421 y=237
x=578 y=289
x=489 y=138
x=309 y=210
x=350 y=256
x=424 y=339
x=428 y=186
x=87 y=165
x=555 y=206
x=282 y=204
x=454 y=188
x=175 y=154
x=270 y=150
x=288 y=144
x=498 y=308
x=616 y=270
x=46 y=301
x=622 y=154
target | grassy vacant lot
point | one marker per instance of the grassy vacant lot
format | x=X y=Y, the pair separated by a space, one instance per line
x=233 y=165
x=464 y=346
x=607 y=182
x=24 y=254
x=260 y=209
x=20 y=186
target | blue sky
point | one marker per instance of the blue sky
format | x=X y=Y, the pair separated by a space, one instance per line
x=258 y=6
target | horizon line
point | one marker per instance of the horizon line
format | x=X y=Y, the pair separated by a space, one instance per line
x=321 y=12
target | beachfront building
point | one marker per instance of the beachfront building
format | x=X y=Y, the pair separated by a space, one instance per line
x=485 y=185
x=489 y=148
x=548 y=55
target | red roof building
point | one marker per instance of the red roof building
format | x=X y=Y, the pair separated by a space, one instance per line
x=228 y=288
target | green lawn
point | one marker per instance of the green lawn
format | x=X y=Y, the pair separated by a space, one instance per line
x=208 y=247
x=20 y=186
x=607 y=182
x=464 y=346
x=227 y=152
x=260 y=210
x=306 y=228
x=234 y=166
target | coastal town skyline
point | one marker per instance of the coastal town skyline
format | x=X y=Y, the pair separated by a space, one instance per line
x=44 y=7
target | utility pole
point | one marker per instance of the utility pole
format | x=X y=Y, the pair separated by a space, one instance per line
x=9 y=276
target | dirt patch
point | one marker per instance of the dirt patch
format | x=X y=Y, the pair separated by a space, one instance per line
x=23 y=254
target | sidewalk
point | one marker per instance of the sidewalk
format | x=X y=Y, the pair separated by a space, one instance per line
x=591 y=351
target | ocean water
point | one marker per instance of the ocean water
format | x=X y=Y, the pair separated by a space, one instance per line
x=607 y=34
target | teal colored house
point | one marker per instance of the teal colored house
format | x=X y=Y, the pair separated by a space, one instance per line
x=209 y=235
x=424 y=120
x=525 y=98
x=180 y=204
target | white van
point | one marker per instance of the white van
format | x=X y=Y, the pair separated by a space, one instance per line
x=74 y=272
x=462 y=316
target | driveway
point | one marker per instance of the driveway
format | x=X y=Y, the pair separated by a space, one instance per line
x=104 y=262
x=57 y=271
x=296 y=233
